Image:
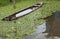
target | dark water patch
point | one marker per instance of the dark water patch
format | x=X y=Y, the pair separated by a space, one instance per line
x=53 y=25
x=57 y=16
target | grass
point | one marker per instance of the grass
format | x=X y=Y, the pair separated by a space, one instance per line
x=26 y=24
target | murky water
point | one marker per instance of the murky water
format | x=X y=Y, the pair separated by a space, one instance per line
x=38 y=33
x=51 y=28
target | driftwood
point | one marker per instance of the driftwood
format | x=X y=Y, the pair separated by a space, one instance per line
x=23 y=12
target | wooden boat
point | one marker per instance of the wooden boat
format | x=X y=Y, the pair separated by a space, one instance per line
x=22 y=12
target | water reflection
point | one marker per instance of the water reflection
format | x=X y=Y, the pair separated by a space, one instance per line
x=51 y=28
x=38 y=33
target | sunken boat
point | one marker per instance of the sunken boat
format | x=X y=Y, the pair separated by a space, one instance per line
x=23 y=12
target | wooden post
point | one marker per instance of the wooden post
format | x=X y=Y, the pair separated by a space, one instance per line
x=14 y=2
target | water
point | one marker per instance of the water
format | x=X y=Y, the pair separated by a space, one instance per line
x=38 y=32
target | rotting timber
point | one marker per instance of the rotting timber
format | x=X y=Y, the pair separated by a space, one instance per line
x=23 y=12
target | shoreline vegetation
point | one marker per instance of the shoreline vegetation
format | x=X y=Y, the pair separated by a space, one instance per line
x=26 y=24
